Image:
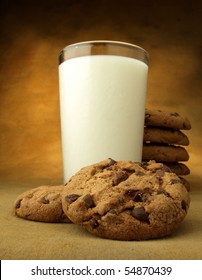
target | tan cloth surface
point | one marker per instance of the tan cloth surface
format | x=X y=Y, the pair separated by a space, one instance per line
x=32 y=35
x=22 y=239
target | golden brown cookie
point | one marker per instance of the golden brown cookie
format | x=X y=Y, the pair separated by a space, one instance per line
x=41 y=204
x=125 y=200
x=164 y=153
x=166 y=119
x=165 y=135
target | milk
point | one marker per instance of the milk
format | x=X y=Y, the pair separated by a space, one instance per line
x=102 y=105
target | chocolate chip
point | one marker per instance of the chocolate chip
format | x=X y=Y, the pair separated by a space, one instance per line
x=140 y=214
x=72 y=197
x=139 y=173
x=135 y=195
x=174 y=114
x=184 y=205
x=161 y=191
x=131 y=193
x=142 y=195
x=174 y=181
x=138 y=197
x=44 y=200
x=93 y=223
x=111 y=162
x=68 y=182
x=108 y=166
x=18 y=203
x=119 y=177
x=144 y=164
x=89 y=201
x=160 y=173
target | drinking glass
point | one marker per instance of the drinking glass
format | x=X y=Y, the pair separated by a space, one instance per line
x=102 y=87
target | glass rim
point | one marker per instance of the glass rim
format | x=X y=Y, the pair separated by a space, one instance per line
x=109 y=42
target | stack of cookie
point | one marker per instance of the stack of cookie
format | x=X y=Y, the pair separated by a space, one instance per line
x=163 y=140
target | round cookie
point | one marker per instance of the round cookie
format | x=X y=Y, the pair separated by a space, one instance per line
x=164 y=153
x=125 y=200
x=165 y=135
x=178 y=168
x=42 y=204
x=166 y=119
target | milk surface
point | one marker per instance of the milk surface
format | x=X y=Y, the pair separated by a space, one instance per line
x=102 y=105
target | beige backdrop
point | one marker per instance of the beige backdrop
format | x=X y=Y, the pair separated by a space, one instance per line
x=32 y=34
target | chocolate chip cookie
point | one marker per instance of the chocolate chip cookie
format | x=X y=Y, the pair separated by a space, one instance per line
x=166 y=119
x=41 y=204
x=125 y=200
x=165 y=135
x=164 y=152
x=178 y=168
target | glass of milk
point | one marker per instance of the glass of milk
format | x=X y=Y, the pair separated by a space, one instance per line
x=102 y=88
